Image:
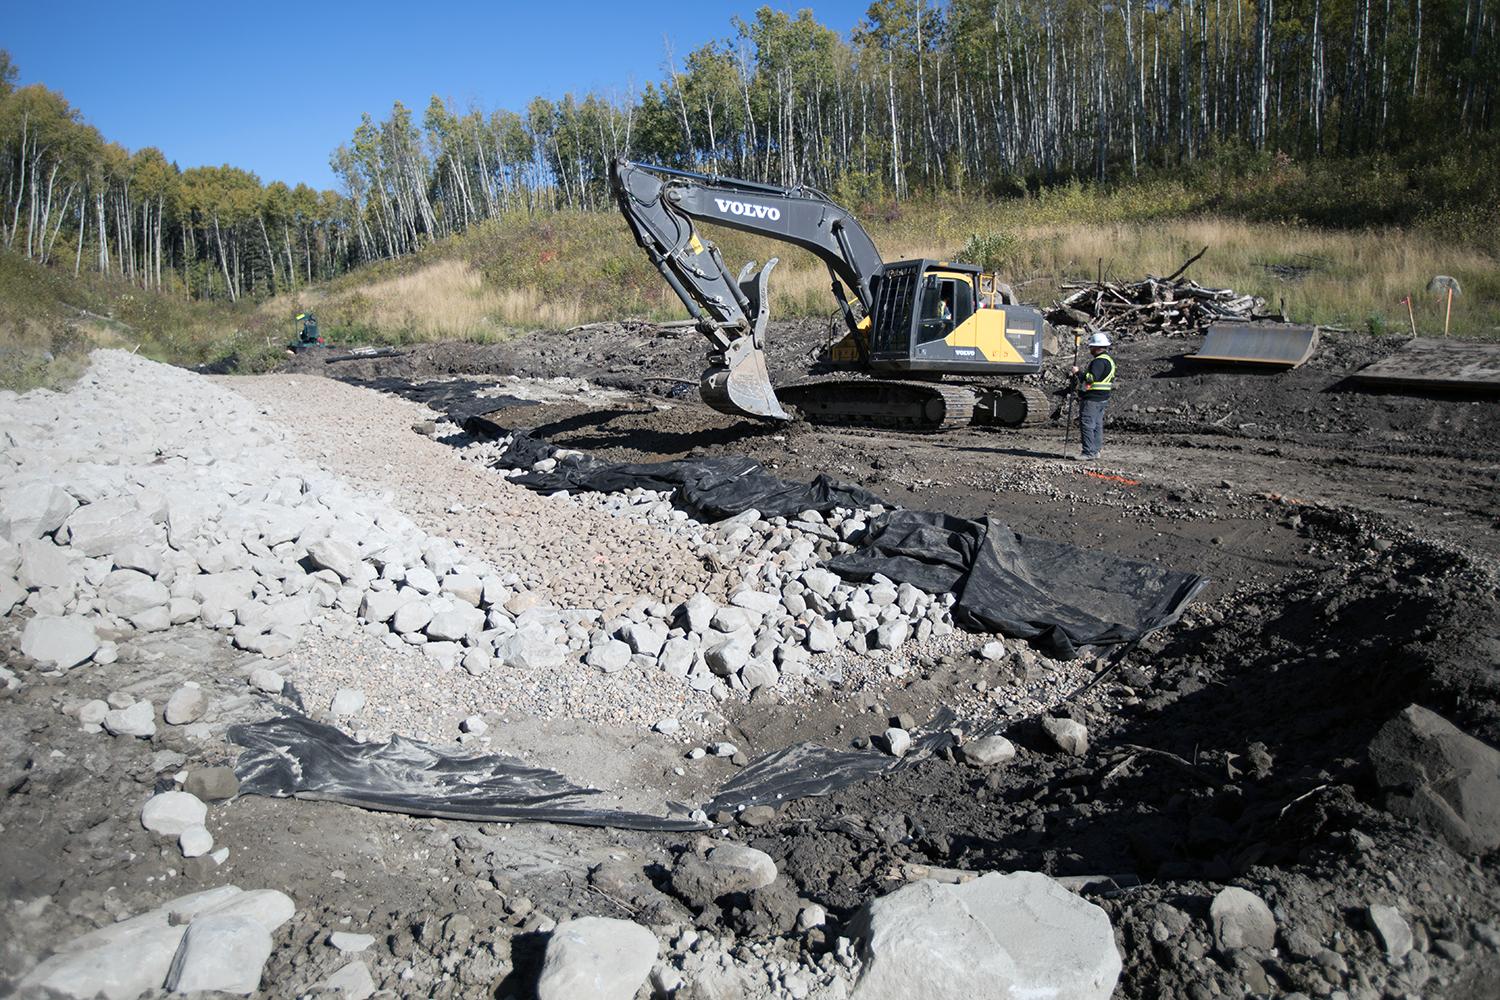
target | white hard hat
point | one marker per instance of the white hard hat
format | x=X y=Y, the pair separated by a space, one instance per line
x=1099 y=340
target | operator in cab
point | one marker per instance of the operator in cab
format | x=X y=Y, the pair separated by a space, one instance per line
x=1095 y=383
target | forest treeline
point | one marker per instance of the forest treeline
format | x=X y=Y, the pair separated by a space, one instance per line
x=972 y=96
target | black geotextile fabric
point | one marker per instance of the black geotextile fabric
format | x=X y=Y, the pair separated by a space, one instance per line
x=1055 y=596
x=807 y=770
x=295 y=756
x=714 y=487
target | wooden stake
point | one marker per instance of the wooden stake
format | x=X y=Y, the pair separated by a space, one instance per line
x=1411 y=316
x=1449 y=314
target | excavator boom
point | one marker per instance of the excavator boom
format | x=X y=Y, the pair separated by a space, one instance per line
x=660 y=204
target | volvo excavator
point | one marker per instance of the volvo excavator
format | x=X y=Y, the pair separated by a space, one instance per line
x=925 y=333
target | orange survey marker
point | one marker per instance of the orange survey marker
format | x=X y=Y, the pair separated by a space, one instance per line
x=1114 y=479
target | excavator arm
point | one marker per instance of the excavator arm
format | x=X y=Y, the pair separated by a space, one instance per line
x=661 y=204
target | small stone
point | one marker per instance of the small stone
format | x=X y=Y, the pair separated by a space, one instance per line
x=744 y=867
x=352 y=982
x=987 y=751
x=345 y=941
x=1241 y=919
x=724 y=749
x=267 y=680
x=757 y=815
x=411 y=617
x=212 y=784
x=897 y=741
x=456 y=624
x=757 y=674
x=186 y=705
x=170 y=813
x=1392 y=929
x=698 y=612
x=727 y=658
x=810 y=916
x=1070 y=737
x=474 y=725
x=667 y=727
x=195 y=842
x=138 y=720
x=347 y=702
x=993 y=650
x=476 y=662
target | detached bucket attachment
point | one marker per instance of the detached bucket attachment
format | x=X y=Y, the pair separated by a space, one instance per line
x=1271 y=345
x=736 y=381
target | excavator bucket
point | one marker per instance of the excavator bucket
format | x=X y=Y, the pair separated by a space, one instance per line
x=743 y=389
x=736 y=381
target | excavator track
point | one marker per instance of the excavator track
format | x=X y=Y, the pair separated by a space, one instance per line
x=931 y=407
x=918 y=406
x=1017 y=404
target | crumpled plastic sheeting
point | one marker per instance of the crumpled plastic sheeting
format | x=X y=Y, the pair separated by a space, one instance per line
x=295 y=756
x=716 y=488
x=1055 y=596
x=806 y=770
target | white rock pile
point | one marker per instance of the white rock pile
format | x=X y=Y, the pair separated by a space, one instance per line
x=147 y=497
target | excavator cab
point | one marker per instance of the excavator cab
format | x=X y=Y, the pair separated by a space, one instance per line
x=927 y=317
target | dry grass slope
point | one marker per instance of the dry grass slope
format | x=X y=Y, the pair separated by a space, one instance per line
x=520 y=274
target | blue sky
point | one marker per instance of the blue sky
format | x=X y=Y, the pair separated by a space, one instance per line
x=273 y=86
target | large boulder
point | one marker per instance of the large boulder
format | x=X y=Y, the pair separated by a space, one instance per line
x=120 y=961
x=339 y=556
x=530 y=649
x=223 y=952
x=724 y=868
x=59 y=642
x=1000 y=937
x=462 y=621
x=596 y=957
x=129 y=592
x=43 y=564
x=33 y=510
x=107 y=526
x=225 y=591
x=1440 y=776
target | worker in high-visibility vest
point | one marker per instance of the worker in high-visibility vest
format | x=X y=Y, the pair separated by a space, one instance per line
x=307 y=333
x=1095 y=384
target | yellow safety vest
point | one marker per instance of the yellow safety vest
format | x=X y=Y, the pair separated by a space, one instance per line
x=1107 y=383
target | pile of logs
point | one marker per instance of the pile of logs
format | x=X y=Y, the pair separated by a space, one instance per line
x=1170 y=305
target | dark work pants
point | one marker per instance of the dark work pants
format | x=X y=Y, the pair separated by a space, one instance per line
x=1091 y=423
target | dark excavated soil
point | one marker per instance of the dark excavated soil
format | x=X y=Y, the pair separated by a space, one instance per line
x=1351 y=538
